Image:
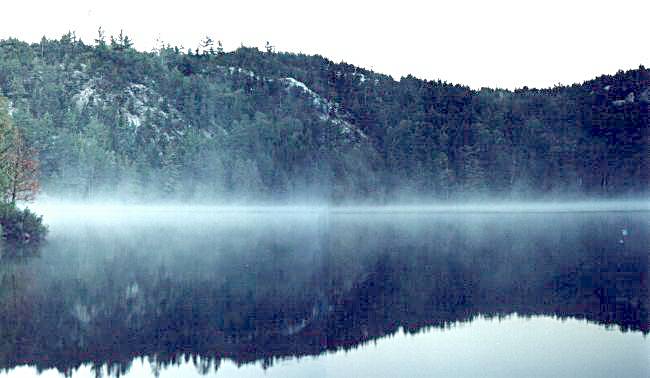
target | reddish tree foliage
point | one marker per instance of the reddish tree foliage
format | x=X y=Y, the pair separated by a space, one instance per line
x=21 y=168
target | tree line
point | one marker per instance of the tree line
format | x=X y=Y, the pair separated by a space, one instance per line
x=106 y=119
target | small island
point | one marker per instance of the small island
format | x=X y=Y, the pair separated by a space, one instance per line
x=18 y=183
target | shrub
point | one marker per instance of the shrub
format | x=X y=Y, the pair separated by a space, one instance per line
x=21 y=226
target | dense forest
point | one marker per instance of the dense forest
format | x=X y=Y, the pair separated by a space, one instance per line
x=106 y=120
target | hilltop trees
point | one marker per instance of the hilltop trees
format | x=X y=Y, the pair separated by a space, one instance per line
x=215 y=125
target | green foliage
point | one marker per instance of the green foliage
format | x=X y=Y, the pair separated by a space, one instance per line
x=109 y=120
x=20 y=226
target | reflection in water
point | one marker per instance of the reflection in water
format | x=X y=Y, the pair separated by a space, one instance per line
x=261 y=287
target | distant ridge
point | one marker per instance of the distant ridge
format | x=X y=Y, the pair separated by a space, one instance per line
x=110 y=121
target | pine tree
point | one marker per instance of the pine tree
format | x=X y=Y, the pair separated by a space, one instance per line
x=100 y=41
x=207 y=45
x=170 y=170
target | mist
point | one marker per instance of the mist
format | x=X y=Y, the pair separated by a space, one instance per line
x=264 y=284
x=52 y=208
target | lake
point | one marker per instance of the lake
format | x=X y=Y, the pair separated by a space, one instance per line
x=143 y=291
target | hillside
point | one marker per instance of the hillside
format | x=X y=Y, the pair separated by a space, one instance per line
x=110 y=121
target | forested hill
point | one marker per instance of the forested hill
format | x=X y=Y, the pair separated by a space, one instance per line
x=107 y=120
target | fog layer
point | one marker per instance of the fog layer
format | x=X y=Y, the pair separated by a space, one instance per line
x=117 y=283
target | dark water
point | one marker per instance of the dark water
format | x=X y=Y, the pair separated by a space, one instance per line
x=171 y=292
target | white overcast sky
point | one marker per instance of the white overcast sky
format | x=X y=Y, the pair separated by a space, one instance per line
x=505 y=44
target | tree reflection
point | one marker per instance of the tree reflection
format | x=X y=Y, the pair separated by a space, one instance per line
x=271 y=295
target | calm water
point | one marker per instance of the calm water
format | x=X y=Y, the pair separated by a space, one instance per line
x=173 y=292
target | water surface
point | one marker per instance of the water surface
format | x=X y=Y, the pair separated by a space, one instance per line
x=139 y=291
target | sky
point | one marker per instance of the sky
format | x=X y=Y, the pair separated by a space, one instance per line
x=498 y=43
